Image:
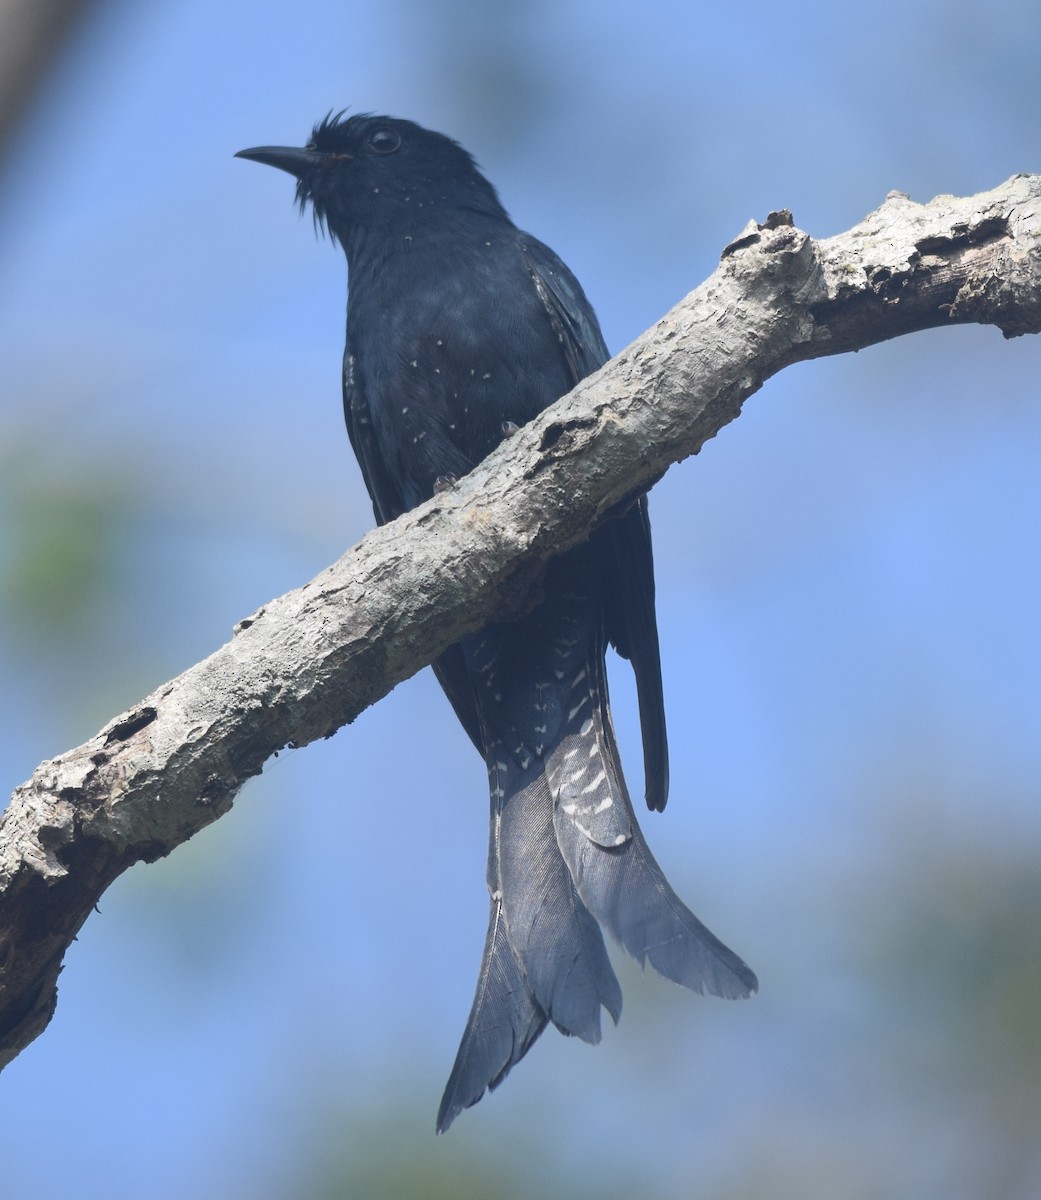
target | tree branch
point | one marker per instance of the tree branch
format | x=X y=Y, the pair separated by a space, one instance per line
x=312 y=660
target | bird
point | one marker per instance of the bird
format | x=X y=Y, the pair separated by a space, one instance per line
x=460 y=328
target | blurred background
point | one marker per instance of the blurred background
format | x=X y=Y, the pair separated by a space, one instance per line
x=848 y=580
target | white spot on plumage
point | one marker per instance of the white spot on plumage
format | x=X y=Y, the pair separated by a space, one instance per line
x=578 y=678
x=604 y=805
x=577 y=709
x=595 y=783
x=587 y=727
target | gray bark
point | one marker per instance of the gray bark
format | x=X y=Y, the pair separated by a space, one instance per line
x=312 y=660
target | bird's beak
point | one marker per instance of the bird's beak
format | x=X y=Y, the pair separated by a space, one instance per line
x=299 y=163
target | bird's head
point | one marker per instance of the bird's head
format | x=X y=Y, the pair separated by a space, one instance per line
x=369 y=171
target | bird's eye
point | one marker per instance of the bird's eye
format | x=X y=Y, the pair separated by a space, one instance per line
x=311 y=146
x=385 y=141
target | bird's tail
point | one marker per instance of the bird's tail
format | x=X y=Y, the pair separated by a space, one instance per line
x=610 y=863
x=503 y=1024
x=544 y=955
x=566 y=855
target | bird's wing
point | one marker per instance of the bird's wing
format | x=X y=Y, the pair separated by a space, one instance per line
x=633 y=630
x=454 y=678
x=570 y=313
x=632 y=627
x=388 y=503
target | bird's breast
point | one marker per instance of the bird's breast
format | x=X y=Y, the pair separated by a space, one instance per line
x=448 y=358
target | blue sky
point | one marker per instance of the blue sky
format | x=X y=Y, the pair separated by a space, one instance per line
x=848 y=590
